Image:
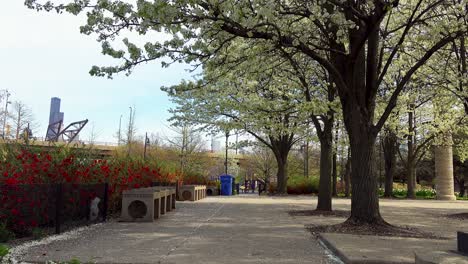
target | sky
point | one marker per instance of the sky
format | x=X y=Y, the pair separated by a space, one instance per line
x=43 y=55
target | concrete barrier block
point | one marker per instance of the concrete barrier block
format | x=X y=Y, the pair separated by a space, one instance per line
x=141 y=205
x=192 y=192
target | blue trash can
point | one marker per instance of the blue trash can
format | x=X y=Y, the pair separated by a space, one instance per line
x=226 y=184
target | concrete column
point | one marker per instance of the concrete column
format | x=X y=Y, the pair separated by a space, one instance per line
x=444 y=171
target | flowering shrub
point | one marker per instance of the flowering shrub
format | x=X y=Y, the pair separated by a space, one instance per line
x=426 y=193
x=28 y=178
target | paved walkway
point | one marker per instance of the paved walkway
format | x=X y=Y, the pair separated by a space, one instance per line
x=251 y=229
x=242 y=229
x=426 y=215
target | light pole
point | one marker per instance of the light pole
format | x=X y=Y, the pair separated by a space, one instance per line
x=6 y=112
x=120 y=129
x=237 y=141
x=147 y=142
x=129 y=132
x=306 y=158
x=226 y=157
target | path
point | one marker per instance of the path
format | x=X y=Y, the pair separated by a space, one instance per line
x=241 y=229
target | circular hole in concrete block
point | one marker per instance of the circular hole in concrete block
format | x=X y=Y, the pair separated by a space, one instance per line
x=186 y=195
x=137 y=209
x=209 y=192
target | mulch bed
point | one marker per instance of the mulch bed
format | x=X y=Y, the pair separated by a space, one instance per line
x=460 y=216
x=334 y=213
x=371 y=230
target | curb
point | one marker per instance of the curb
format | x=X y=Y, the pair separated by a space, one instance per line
x=333 y=249
x=339 y=254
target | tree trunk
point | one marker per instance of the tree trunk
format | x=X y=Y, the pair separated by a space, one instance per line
x=364 y=181
x=347 y=174
x=461 y=184
x=410 y=161
x=360 y=74
x=325 y=195
x=411 y=179
x=18 y=124
x=324 y=202
x=335 y=175
x=364 y=199
x=281 y=150
x=334 y=162
x=282 y=176
x=390 y=148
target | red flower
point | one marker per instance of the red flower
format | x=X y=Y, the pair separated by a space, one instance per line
x=11 y=181
x=33 y=223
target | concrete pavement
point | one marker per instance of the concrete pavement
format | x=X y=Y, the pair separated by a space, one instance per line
x=253 y=229
x=242 y=229
x=425 y=215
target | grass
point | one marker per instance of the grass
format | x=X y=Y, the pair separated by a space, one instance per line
x=3 y=251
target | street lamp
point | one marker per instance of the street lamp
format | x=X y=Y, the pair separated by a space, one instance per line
x=147 y=142
x=226 y=157
x=120 y=129
x=6 y=112
x=130 y=131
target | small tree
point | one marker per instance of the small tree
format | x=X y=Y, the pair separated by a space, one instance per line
x=263 y=160
x=186 y=142
x=93 y=134
x=21 y=118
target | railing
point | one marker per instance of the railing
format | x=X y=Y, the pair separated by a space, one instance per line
x=58 y=207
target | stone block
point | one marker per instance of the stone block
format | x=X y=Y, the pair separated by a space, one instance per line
x=192 y=192
x=212 y=191
x=170 y=200
x=141 y=205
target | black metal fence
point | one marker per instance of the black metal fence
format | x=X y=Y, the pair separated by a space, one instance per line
x=59 y=207
x=52 y=206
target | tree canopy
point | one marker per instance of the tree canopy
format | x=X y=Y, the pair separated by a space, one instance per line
x=362 y=45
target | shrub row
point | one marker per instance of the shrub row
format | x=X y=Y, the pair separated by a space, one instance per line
x=27 y=173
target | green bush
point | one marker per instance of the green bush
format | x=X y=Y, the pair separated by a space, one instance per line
x=302 y=185
x=5 y=233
